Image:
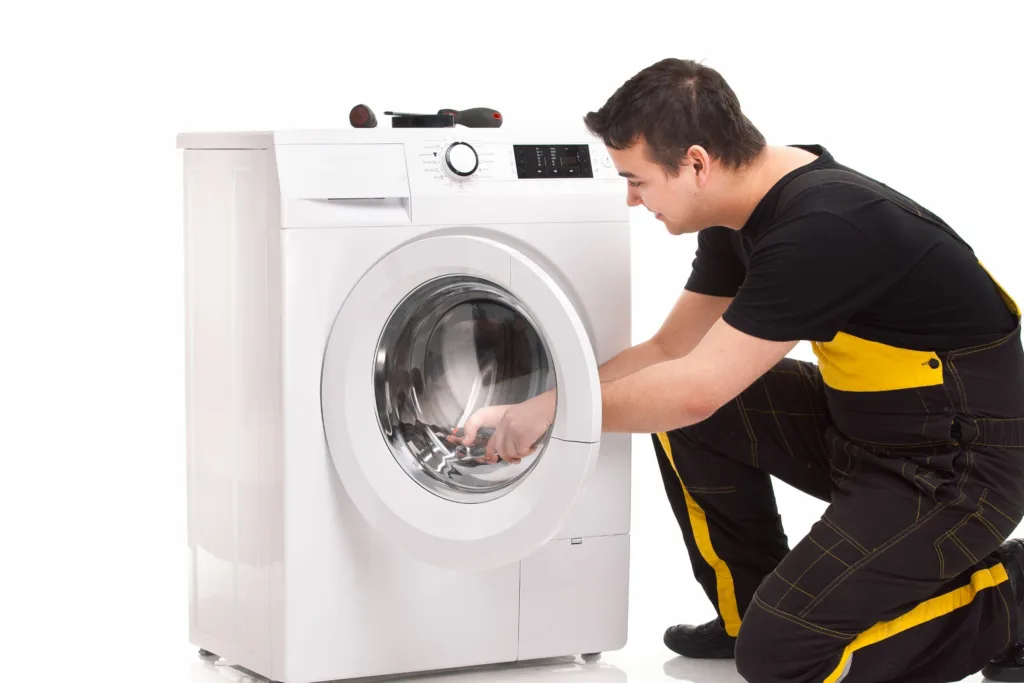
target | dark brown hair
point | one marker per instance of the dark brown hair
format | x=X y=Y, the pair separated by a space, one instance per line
x=674 y=104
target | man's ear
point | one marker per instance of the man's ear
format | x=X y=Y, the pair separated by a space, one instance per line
x=700 y=160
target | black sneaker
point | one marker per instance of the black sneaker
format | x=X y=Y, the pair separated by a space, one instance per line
x=1009 y=666
x=707 y=641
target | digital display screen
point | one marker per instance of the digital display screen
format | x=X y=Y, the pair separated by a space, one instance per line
x=553 y=161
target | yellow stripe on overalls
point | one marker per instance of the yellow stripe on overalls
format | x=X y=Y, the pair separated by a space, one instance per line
x=1007 y=299
x=926 y=611
x=849 y=363
x=698 y=521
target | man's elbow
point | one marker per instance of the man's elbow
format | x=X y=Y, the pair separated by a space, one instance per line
x=698 y=405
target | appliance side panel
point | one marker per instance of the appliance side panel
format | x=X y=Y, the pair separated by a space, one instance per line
x=273 y=505
x=231 y=411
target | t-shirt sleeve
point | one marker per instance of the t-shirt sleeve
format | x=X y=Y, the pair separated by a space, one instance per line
x=808 y=277
x=717 y=269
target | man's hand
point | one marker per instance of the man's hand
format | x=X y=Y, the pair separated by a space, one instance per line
x=519 y=427
x=489 y=417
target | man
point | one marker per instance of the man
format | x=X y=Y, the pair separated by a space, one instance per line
x=911 y=424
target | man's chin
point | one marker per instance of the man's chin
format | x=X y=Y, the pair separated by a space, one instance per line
x=680 y=229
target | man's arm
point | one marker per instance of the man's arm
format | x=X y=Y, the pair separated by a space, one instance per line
x=686 y=324
x=687 y=390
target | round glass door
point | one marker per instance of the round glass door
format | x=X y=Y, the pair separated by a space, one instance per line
x=435 y=330
x=453 y=346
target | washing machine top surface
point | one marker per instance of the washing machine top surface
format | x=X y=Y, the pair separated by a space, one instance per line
x=340 y=136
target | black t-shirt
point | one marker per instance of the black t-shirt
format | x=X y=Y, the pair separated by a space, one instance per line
x=844 y=258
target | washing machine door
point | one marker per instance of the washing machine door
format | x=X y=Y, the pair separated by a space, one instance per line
x=437 y=330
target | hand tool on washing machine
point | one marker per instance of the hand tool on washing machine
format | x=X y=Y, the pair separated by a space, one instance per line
x=361 y=116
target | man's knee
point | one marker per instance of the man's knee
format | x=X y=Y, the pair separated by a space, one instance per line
x=754 y=654
x=772 y=649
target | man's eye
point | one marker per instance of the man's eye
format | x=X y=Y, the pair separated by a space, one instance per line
x=634 y=183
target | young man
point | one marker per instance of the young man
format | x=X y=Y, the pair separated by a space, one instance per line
x=911 y=423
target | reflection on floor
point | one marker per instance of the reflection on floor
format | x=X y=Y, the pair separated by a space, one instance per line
x=568 y=670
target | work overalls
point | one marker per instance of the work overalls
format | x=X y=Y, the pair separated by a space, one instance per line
x=921 y=457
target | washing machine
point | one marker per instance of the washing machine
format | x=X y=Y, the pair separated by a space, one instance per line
x=353 y=296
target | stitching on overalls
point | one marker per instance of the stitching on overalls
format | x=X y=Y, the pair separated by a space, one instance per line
x=951 y=536
x=874 y=553
x=897 y=538
x=801 y=622
x=984 y=347
x=804 y=382
x=710 y=490
x=902 y=445
x=903 y=472
x=750 y=430
x=959 y=384
x=927 y=413
x=828 y=551
x=1009 y=519
x=811 y=565
x=778 y=424
x=791 y=585
x=990 y=526
x=846 y=536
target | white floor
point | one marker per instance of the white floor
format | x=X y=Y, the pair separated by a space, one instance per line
x=638 y=662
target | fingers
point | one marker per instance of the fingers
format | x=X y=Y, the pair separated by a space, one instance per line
x=506 y=452
x=504 y=442
x=516 y=452
x=511 y=452
x=491 y=452
x=471 y=428
x=481 y=418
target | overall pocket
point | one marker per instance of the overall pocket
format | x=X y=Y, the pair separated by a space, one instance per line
x=975 y=536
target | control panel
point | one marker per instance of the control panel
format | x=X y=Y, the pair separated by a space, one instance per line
x=553 y=161
x=461 y=162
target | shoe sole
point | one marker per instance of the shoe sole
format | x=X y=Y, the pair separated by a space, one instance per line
x=700 y=653
x=1014 y=675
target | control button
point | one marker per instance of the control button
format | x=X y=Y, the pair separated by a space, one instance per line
x=460 y=161
x=606 y=161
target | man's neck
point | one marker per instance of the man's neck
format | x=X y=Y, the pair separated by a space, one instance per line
x=748 y=186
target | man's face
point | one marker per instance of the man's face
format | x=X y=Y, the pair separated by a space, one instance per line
x=675 y=201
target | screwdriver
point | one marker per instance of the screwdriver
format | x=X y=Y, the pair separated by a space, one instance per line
x=477 y=117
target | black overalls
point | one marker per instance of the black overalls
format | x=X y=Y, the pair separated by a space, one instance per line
x=921 y=456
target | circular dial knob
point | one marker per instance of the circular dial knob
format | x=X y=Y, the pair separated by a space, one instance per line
x=460 y=160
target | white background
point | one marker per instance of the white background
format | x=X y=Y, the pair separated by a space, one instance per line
x=92 y=429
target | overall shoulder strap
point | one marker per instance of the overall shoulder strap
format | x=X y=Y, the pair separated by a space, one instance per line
x=824 y=175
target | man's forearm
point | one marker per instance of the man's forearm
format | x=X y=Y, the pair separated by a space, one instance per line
x=658 y=398
x=632 y=360
x=690 y=320
x=627 y=362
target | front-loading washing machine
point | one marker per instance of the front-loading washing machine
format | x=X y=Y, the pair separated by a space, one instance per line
x=353 y=296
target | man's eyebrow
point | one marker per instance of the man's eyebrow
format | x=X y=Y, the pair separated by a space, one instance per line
x=626 y=174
